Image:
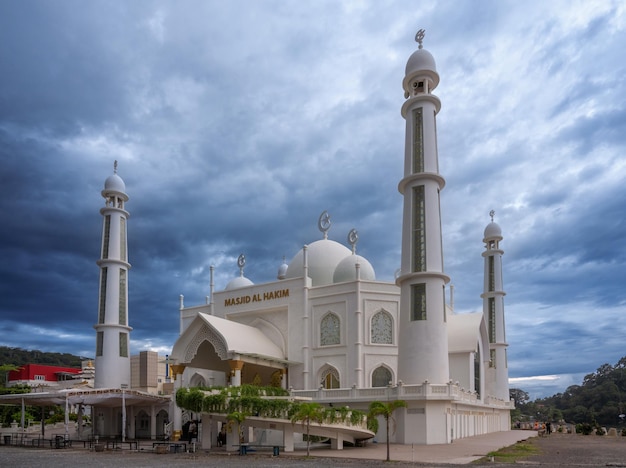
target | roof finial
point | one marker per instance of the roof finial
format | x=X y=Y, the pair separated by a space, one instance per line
x=492 y=213
x=324 y=223
x=353 y=238
x=241 y=262
x=419 y=37
x=115 y=167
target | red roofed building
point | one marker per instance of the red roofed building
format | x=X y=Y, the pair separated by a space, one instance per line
x=36 y=375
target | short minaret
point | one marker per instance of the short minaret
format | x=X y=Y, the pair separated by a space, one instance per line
x=423 y=338
x=493 y=310
x=112 y=330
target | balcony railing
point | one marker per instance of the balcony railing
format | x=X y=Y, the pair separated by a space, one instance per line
x=424 y=391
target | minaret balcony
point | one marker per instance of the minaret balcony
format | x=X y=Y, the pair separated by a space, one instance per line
x=416 y=99
x=419 y=176
x=420 y=276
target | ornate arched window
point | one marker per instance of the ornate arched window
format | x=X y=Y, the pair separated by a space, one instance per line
x=197 y=381
x=330 y=332
x=382 y=328
x=330 y=378
x=381 y=377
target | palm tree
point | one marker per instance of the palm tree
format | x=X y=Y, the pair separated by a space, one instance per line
x=4 y=372
x=236 y=417
x=307 y=413
x=378 y=408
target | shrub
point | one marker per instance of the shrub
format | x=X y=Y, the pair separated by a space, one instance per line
x=584 y=428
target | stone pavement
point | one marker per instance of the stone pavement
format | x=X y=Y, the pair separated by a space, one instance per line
x=461 y=451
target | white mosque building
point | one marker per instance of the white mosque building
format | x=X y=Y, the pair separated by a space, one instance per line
x=327 y=329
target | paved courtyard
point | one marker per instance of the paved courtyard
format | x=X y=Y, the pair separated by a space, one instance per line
x=558 y=450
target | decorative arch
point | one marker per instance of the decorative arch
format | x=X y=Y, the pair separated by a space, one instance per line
x=206 y=334
x=330 y=329
x=276 y=379
x=381 y=376
x=381 y=328
x=162 y=423
x=142 y=425
x=197 y=380
x=329 y=377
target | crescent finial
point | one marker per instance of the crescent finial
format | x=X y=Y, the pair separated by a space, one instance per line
x=241 y=262
x=419 y=37
x=353 y=238
x=324 y=223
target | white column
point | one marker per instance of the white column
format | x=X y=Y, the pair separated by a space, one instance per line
x=235 y=372
x=175 y=411
x=209 y=431
x=153 y=423
x=288 y=437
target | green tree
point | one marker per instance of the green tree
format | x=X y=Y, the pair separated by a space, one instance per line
x=378 y=408
x=237 y=418
x=4 y=373
x=519 y=397
x=308 y=413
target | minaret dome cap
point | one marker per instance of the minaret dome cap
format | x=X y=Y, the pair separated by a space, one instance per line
x=420 y=65
x=420 y=60
x=114 y=183
x=493 y=231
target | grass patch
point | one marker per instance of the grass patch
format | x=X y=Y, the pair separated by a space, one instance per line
x=512 y=453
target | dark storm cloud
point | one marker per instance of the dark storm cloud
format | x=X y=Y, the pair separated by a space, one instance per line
x=236 y=124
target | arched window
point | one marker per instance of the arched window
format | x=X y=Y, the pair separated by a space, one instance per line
x=330 y=378
x=382 y=328
x=330 y=333
x=197 y=381
x=381 y=377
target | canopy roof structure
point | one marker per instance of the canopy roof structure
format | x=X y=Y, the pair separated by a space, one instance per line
x=231 y=340
x=108 y=397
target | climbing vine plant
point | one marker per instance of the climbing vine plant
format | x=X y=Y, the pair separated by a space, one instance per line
x=265 y=402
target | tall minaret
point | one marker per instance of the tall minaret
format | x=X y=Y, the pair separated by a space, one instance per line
x=423 y=338
x=493 y=310
x=112 y=330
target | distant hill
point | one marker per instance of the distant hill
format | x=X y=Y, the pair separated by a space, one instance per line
x=20 y=357
x=599 y=400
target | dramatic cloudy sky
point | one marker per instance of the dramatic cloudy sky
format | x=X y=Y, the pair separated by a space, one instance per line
x=237 y=123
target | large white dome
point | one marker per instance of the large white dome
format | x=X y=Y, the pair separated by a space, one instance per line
x=346 y=270
x=238 y=282
x=323 y=257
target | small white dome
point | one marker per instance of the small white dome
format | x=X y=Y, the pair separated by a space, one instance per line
x=114 y=183
x=282 y=271
x=420 y=60
x=346 y=270
x=323 y=257
x=238 y=282
x=493 y=231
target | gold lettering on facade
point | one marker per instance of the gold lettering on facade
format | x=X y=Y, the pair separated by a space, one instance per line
x=267 y=296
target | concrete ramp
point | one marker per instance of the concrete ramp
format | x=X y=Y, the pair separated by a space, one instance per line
x=338 y=433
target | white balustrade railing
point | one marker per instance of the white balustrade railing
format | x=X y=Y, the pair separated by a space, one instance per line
x=424 y=391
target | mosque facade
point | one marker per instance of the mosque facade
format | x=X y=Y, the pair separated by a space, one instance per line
x=327 y=329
